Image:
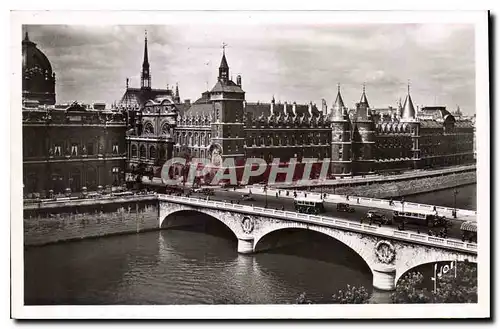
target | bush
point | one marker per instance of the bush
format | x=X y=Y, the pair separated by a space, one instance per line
x=462 y=289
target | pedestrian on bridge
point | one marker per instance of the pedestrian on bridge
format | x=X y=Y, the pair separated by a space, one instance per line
x=358 y=201
x=276 y=195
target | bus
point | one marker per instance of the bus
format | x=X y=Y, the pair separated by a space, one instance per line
x=429 y=219
x=309 y=205
x=469 y=231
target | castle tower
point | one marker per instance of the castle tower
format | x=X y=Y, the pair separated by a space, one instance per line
x=227 y=127
x=145 y=74
x=341 y=138
x=409 y=117
x=363 y=138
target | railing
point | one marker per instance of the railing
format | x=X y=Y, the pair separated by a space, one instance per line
x=328 y=221
x=51 y=203
x=373 y=201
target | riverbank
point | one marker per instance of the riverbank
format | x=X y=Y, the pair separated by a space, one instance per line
x=395 y=188
x=57 y=221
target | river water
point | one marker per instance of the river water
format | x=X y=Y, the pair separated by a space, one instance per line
x=197 y=266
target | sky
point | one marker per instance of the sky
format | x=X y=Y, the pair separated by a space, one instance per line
x=300 y=62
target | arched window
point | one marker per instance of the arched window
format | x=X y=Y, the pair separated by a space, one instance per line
x=149 y=129
x=142 y=151
x=134 y=150
x=152 y=152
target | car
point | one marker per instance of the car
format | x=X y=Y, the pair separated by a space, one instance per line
x=344 y=207
x=247 y=197
x=376 y=217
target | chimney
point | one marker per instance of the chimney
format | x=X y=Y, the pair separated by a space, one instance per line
x=294 y=108
x=238 y=80
x=272 y=107
x=285 y=110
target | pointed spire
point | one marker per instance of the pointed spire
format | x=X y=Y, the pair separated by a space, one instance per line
x=363 y=100
x=145 y=75
x=408 y=108
x=223 y=62
x=176 y=89
x=339 y=102
x=146 y=60
x=26 y=37
x=223 y=68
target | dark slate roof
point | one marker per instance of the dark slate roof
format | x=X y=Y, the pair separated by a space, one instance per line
x=139 y=96
x=430 y=124
x=205 y=98
x=199 y=109
x=256 y=110
x=464 y=124
x=435 y=112
x=230 y=86
x=182 y=108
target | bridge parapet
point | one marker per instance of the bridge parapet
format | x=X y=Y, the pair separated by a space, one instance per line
x=464 y=214
x=385 y=232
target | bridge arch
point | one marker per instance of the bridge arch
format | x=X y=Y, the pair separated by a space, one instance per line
x=174 y=218
x=362 y=247
x=428 y=258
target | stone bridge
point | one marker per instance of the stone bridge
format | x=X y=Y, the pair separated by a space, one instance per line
x=388 y=253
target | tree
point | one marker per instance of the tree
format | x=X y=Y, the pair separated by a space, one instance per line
x=462 y=289
x=351 y=295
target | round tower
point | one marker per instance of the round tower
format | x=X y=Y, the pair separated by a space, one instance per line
x=341 y=138
x=409 y=117
x=363 y=138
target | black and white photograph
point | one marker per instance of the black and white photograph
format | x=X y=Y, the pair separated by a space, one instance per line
x=190 y=165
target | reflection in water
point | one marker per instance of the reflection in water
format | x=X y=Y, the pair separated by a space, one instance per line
x=184 y=267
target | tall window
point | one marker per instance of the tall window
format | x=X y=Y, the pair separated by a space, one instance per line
x=116 y=175
x=152 y=152
x=142 y=151
x=90 y=148
x=74 y=149
x=57 y=150
x=115 y=148
x=134 y=151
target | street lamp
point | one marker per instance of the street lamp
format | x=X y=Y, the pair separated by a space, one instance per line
x=455 y=192
x=265 y=191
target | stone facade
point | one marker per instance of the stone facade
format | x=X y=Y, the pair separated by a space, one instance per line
x=359 y=141
x=72 y=148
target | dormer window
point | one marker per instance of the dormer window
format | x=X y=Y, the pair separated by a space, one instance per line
x=57 y=150
x=74 y=149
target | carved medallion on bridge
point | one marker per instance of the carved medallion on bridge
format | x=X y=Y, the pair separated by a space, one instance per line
x=385 y=251
x=247 y=224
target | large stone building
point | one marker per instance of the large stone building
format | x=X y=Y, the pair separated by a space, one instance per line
x=221 y=124
x=66 y=148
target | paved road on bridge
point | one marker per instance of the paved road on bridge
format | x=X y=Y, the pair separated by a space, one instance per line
x=330 y=209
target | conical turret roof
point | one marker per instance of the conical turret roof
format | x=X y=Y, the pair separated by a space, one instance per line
x=339 y=102
x=364 y=100
x=408 y=108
